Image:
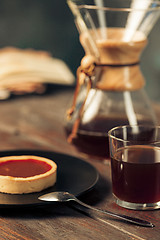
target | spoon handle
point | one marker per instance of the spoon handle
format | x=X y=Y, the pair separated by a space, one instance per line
x=133 y=220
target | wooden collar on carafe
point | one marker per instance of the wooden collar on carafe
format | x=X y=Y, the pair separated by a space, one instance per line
x=125 y=77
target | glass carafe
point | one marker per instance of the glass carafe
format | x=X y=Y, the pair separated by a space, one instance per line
x=110 y=86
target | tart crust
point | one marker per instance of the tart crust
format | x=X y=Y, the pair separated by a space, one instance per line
x=37 y=183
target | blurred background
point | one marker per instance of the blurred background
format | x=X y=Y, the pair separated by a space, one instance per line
x=49 y=25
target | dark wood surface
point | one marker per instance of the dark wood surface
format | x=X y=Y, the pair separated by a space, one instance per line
x=36 y=122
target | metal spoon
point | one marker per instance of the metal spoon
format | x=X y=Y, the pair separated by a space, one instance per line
x=65 y=197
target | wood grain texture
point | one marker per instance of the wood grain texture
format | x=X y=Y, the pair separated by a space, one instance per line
x=36 y=122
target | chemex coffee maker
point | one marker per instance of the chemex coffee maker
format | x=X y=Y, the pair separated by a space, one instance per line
x=110 y=86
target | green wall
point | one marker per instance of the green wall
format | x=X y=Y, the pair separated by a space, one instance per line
x=49 y=25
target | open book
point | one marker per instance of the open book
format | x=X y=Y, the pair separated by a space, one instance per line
x=27 y=70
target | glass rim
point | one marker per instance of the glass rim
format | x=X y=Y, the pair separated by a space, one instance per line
x=124 y=9
x=129 y=126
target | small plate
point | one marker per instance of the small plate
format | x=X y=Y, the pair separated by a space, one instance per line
x=73 y=175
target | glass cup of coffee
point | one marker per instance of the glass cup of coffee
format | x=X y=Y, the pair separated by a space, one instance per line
x=135 y=166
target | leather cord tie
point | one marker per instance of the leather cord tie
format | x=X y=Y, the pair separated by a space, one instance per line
x=85 y=74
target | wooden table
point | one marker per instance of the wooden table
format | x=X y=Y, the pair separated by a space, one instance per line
x=36 y=122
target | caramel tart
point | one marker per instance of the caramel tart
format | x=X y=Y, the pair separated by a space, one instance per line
x=26 y=174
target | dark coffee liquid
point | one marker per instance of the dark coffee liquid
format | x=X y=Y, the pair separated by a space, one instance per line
x=136 y=181
x=92 y=138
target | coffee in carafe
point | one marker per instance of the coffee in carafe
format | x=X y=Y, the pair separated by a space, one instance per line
x=110 y=86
